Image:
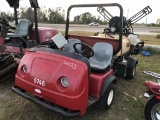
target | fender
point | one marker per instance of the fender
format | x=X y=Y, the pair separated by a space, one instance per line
x=158 y=97
x=109 y=80
x=131 y=62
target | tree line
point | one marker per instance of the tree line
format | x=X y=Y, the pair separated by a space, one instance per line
x=50 y=15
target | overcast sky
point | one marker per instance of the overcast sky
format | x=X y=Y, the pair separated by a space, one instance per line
x=129 y=6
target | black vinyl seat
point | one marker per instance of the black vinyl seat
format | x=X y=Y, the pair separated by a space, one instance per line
x=102 y=58
x=22 y=29
x=69 y=47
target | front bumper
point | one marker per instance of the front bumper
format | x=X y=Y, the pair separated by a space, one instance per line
x=51 y=106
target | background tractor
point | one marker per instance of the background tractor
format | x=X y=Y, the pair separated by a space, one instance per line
x=14 y=45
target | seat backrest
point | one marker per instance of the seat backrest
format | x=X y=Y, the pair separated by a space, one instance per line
x=101 y=61
x=103 y=52
x=69 y=47
x=23 y=27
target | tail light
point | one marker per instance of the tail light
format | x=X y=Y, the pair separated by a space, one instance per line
x=24 y=69
x=64 y=82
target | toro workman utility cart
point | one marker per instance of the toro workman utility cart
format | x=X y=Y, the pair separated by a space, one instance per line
x=82 y=71
x=14 y=45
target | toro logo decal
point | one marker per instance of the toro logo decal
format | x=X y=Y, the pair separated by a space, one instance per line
x=38 y=91
x=39 y=82
x=70 y=64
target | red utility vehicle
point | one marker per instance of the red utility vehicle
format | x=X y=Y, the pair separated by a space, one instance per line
x=152 y=107
x=81 y=72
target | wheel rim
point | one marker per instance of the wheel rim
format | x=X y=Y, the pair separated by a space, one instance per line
x=155 y=112
x=110 y=97
x=134 y=69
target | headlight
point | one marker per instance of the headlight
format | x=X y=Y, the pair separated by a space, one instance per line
x=65 y=82
x=24 y=68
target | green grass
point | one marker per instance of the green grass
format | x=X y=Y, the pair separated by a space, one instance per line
x=83 y=33
x=148 y=39
x=128 y=103
x=155 y=31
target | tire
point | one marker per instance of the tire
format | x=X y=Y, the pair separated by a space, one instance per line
x=130 y=72
x=8 y=76
x=106 y=100
x=152 y=109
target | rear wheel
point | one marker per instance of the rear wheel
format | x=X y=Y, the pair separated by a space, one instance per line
x=152 y=109
x=106 y=100
x=130 y=72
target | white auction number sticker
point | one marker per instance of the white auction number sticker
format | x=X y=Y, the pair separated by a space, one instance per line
x=39 y=82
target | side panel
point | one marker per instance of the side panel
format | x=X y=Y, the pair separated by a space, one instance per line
x=12 y=49
x=96 y=82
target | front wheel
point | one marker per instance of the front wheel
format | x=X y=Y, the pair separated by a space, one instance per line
x=106 y=100
x=152 y=109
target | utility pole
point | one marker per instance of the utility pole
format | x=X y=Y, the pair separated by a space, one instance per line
x=146 y=21
x=127 y=13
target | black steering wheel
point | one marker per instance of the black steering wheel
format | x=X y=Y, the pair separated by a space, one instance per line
x=86 y=50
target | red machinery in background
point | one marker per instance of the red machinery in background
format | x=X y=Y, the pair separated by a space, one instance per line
x=14 y=45
x=152 y=107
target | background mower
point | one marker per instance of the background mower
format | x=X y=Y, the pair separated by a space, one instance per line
x=80 y=73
